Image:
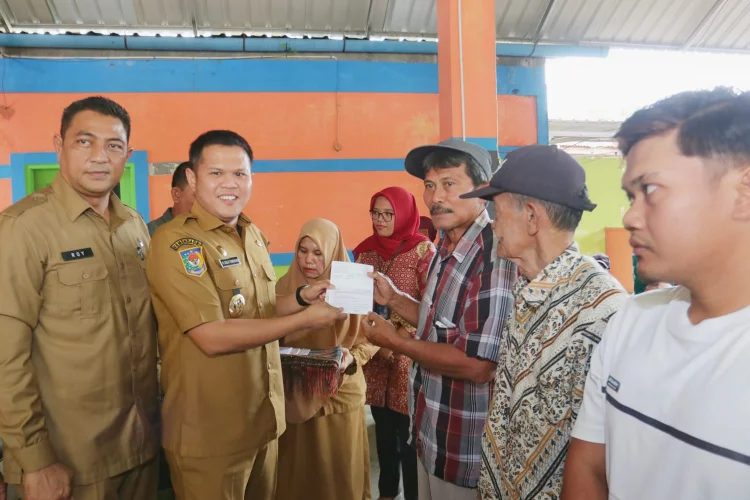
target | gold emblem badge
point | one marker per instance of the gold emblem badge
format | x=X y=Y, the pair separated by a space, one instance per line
x=236 y=305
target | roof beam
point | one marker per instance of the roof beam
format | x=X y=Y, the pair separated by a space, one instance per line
x=542 y=22
x=52 y=11
x=367 y=21
x=194 y=16
x=710 y=15
x=5 y=20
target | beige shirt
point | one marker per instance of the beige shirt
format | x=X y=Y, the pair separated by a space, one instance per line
x=214 y=405
x=558 y=319
x=77 y=337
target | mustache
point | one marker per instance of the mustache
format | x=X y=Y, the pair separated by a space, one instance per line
x=438 y=209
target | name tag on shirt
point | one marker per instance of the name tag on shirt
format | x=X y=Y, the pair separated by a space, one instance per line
x=229 y=262
x=83 y=253
x=613 y=383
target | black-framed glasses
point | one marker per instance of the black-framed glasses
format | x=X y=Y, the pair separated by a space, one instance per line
x=378 y=215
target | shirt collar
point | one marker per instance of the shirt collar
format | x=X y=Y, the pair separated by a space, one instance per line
x=74 y=205
x=468 y=239
x=209 y=222
x=535 y=292
x=167 y=215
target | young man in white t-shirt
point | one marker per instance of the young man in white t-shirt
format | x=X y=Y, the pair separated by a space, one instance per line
x=666 y=408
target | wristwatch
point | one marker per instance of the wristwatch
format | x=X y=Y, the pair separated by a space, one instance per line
x=300 y=300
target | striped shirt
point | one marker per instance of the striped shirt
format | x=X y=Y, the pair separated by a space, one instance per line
x=465 y=303
x=546 y=350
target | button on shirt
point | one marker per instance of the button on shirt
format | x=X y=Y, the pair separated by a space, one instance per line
x=558 y=319
x=214 y=405
x=465 y=303
x=77 y=337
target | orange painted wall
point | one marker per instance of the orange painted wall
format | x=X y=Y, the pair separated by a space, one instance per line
x=516 y=120
x=282 y=203
x=5 y=193
x=279 y=126
x=620 y=255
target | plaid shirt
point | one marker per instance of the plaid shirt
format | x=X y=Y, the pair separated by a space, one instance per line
x=465 y=303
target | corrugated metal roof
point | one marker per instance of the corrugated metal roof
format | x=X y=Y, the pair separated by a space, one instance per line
x=698 y=24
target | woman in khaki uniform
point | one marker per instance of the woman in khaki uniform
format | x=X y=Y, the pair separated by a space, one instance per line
x=326 y=457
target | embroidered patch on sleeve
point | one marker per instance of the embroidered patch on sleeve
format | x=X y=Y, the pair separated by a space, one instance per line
x=193 y=261
x=185 y=242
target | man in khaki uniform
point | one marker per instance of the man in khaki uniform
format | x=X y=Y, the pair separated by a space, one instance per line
x=213 y=288
x=78 y=388
x=182 y=198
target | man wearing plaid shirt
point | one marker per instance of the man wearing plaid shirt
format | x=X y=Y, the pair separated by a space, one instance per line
x=459 y=322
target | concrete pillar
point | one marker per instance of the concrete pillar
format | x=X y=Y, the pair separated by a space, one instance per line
x=467 y=71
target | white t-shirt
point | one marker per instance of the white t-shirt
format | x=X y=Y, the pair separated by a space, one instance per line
x=671 y=401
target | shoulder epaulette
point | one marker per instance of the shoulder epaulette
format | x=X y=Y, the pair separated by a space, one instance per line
x=28 y=202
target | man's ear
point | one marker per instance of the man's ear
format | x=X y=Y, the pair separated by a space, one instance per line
x=741 y=209
x=191 y=178
x=533 y=215
x=57 y=143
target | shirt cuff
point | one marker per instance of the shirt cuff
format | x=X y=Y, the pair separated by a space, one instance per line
x=192 y=319
x=34 y=457
x=362 y=353
x=477 y=345
x=587 y=432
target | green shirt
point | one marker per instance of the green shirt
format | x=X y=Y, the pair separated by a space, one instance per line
x=158 y=222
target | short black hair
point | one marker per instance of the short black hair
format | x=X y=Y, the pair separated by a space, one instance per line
x=179 y=179
x=445 y=159
x=98 y=104
x=220 y=138
x=710 y=124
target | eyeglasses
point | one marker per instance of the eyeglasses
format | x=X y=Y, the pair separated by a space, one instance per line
x=377 y=215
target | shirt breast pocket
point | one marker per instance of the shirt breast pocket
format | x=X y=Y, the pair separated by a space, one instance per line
x=271 y=276
x=230 y=282
x=85 y=288
x=269 y=270
x=447 y=335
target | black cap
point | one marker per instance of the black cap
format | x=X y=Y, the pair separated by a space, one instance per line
x=542 y=172
x=414 y=162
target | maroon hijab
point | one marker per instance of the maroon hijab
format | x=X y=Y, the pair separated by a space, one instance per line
x=405 y=226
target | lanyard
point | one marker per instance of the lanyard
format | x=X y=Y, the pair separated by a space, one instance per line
x=390 y=262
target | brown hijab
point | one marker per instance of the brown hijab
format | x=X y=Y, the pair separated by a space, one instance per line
x=345 y=333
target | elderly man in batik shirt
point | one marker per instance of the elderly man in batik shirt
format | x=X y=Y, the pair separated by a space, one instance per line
x=563 y=301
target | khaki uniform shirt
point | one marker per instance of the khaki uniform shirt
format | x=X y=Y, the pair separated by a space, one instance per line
x=226 y=404
x=77 y=337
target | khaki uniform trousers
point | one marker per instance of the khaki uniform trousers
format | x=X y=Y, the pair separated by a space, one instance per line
x=136 y=484
x=245 y=476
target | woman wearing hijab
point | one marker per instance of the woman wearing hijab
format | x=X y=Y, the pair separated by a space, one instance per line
x=327 y=456
x=399 y=250
x=427 y=228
